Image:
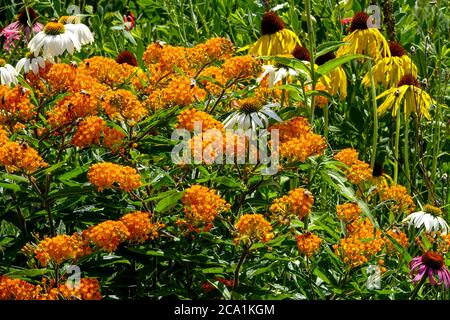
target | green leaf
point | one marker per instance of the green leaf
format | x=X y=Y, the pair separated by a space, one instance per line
x=10 y=186
x=328 y=66
x=168 y=202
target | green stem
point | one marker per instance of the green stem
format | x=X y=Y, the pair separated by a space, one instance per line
x=326 y=125
x=417 y=288
x=311 y=52
x=239 y=265
x=397 y=139
x=406 y=153
x=375 y=117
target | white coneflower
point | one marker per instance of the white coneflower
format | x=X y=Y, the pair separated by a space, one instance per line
x=429 y=218
x=54 y=40
x=252 y=114
x=276 y=73
x=31 y=63
x=8 y=74
x=73 y=24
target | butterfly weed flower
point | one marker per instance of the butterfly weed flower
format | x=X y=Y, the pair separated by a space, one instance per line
x=54 y=40
x=89 y=289
x=88 y=132
x=201 y=206
x=188 y=118
x=213 y=79
x=398 y=199
x=297 y=203
x=241 y=67
x=390 y=70
x=308 y=243
x=110 y=175
x=253 y=228
x=8 y=74
x=432 y=265
x=80 y=30
x=15 y=105
x=275 y=39
x=107 y=235
x=408 y=91
x=364 y=40
x=429 y=218
x=399 y=236
x=16 y=156
x=60 y=248
x=17 y=289
x=348 y=211
x=113 y=139
x=357 y=171
x=140 y=226
x=124 y=105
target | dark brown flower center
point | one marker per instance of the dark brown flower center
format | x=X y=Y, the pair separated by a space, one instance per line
x=396 y=49
x=377 y=170
x=271 y=23
x=433 y=260
x=301 y=53
x=408 y=80
x=250 y=105
x=127 y=57
x=325 y=58
x=23 y=17
x=359 y=21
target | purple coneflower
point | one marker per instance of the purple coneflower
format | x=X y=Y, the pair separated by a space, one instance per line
x=431 y=264
x=12 y=31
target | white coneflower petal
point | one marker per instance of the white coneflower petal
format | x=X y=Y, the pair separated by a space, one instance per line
x=53 y=41
x=8 y=74
x=429 y=222
x=82 y=32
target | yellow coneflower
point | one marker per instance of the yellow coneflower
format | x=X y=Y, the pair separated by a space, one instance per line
x=364 y=40
x=275 y=39
x=416 y=100
x=336 y=80
x=390 y=70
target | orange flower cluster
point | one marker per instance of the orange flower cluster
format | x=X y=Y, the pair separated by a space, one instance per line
x=123 y=104
x=61 y=248
x=107 y=175
x=140 y=227
x=319 y=100
x=399 y=236
x=89 y=289
x=252 y=228
x=297 y=203
x=213 y=49
x=72 y=107
x=113 y=139
x=179 y=92
x=188 y=117
x=3 y=136
x=167 y=58
x=213 y=79
x=15 y=156
x=15 y=105
x=88 y=131
x=17 y=289
x=297 y=141
x=358 y=171
x=308 y=243
x=201 y=207
x=107 y=235
x=108 y=71
x=402 y=202
x=348 y=211
x=241 y=67
x=361 y=244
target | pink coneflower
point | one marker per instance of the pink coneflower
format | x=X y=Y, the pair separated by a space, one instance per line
x=346 y=21
x=12 y=31
x=431 y=264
